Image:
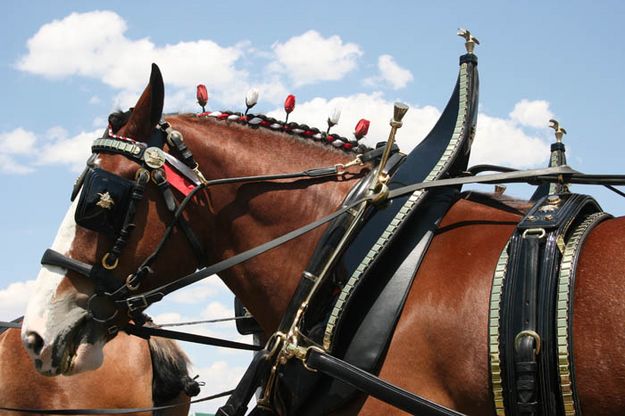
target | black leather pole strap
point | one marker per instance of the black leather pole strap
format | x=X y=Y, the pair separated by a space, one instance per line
x=146 y=332
x=373 y=386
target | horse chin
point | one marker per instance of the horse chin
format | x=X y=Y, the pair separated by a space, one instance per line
x=87 y=357
x=75 y=350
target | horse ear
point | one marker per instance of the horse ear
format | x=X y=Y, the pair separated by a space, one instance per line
x=148 y=110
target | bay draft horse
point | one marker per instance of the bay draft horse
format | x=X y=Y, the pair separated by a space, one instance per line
x=135 y=373
x=439 y=348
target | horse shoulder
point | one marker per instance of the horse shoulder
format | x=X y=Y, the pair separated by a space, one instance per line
x=599 y=320
x=439 y=348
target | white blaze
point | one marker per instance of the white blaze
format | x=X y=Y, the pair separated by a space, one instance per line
x=48 y=279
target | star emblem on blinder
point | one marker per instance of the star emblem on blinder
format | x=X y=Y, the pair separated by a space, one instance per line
x=105 y=201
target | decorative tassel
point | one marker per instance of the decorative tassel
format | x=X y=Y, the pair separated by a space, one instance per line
x=202 y=96
x=251 y=99
x=362 y=128
x=289 y=106
x=333 y=119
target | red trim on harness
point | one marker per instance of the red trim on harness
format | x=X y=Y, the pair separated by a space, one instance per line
x=177 y=180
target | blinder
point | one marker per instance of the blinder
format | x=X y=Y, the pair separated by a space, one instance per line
x=103 y=201
x=81 y=179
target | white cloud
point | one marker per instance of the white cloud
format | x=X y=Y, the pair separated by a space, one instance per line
x=10 y=166
x=168 y=318
x=373 y=107
x=13 y=299
x=71 y=45
x=200 y=291
x=501 y=141
x=532 y=113
x=17 y=142
x=390 y=73
x=219 y=376
x=497 y=141
x=108 y=55
x=15 y=145
x=71 y=152
x=310 y=57
x=22 y=151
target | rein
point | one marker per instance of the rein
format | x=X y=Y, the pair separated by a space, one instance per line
x=121 y=411
x=140 y=302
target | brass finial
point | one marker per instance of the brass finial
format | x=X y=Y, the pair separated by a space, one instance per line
x=471 y=41
x=399 y=111
x=560 y=132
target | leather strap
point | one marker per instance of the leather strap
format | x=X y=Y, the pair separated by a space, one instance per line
x=120 y=411
x=156 y=295
x=527 y=321
x=373 y=386
x=148 y=331
x=257 y=370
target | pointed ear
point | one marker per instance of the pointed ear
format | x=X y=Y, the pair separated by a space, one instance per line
x=148 y=110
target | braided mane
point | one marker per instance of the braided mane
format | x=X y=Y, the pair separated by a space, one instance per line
x=119 y=118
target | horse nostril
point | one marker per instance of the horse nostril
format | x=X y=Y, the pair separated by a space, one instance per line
x=34 y=342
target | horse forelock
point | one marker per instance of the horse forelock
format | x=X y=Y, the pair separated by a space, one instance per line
x=118 y=119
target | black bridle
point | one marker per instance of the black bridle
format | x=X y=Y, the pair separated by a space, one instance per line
x=111 y=295
x=108 y=204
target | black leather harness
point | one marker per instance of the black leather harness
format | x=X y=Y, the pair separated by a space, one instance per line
x=528 y=352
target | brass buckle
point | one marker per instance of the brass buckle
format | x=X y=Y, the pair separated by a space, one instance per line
x=528 y=333
x=136 y=303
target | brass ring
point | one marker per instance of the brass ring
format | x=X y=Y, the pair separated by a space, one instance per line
x=534 y=233
x=380 y=195
x=528 y=333
x=274 y=342
x=129 y=284
x=105 y=262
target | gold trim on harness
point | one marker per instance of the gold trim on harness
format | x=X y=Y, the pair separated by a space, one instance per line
x=569 y=260
x=440 y=167
x=493 y=331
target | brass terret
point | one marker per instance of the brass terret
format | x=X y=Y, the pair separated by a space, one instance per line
x=399 y=111
x=471 y=40
x=559 y=131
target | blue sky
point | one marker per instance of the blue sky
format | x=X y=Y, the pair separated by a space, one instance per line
x=66 y=65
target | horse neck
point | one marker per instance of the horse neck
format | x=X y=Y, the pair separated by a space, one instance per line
x=247 y=215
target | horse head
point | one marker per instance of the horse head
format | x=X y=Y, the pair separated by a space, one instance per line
x=68 y=320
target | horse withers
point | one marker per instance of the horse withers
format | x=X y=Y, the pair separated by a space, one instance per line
x=439 y=349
